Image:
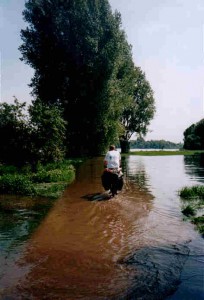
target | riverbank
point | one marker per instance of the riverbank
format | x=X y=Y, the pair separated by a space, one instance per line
x=164 y=152
x=48 y=181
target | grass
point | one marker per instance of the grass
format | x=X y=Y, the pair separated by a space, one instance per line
x=196 y=191
x=199 y=222
x=50 y=190
x=193 y=205
x=48 y=181
x=163 y=152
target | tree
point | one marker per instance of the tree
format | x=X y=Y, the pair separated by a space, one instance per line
x=199 y=132
x=32 y=136
x=194 y=136
x=78 y=51
x=14 y=133
x=47 y=132
x=137 y=115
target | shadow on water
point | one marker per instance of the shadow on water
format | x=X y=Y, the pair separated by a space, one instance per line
x=133 y=246
x=97 y=197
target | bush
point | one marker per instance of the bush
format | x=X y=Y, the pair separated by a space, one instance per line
x=49 y=180
x=53 y=190
x=4 y=169
x=16 y=184
x=54 y=175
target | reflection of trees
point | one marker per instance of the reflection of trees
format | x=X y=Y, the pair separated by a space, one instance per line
x=16 y=226
x=135 y=173
x=194 y=166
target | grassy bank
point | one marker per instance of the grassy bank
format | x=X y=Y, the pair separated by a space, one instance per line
x=193 y=205
x=47 y=181
x=163 y=152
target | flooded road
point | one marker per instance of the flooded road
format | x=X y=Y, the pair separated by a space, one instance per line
x=134 y=246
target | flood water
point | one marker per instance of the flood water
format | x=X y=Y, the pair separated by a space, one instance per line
x=134 y=246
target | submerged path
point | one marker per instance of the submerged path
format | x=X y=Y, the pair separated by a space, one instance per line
x=100 y=249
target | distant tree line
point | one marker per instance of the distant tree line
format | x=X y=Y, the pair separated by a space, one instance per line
x=87 y=92
x=140 y=143
x=194 y=136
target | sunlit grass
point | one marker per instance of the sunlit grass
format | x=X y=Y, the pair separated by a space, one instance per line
x=196 y=191
x=48 y=181
x=163 y=152
x=193 y=205
x=50 y=190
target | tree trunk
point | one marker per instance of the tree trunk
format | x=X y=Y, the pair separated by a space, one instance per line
x=125 y=146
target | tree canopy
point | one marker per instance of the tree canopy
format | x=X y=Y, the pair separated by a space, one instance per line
x=32 y=136
x=194 y=136
x=138 y=113
x=136 y=117
x=83 y=63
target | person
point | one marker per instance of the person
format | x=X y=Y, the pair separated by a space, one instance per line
x=112 y=159
x=112 y=175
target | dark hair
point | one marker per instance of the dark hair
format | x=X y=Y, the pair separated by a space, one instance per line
x=112 y=147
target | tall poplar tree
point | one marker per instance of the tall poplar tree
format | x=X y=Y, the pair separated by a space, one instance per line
x=81 y=61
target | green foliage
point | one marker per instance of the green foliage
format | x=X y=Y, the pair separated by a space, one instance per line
x=194 y=136
x=162 y=153
x=81 y=60
x=137 y=116
x=139 y=112
x=8 y=169
x=55 y=175
x=16 y=184
x=53 y=190
x=140 y=143
x=188 y=211
x=50 y=180
x=14 y=133
x=37 y=135
x=199 y=222
x=48 y=132
x=192 y=192
x=195 y=195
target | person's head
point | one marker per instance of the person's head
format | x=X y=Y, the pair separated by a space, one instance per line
x=112 y=147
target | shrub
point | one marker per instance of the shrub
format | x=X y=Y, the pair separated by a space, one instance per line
x=54 y=175
x=16 y=184
x=8 y=169
x=53 y=190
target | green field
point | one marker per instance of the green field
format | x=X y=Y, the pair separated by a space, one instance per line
x=163 y=152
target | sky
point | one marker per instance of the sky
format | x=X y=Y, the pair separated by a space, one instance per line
x=167 y=38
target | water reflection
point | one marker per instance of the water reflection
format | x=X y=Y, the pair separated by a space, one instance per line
x=135 y=173
x=194 y=167
x=16 y=226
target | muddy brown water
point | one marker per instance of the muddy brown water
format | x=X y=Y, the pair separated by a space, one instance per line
x=134 y=246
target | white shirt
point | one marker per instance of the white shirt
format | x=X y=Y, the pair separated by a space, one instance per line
x=113 y=159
